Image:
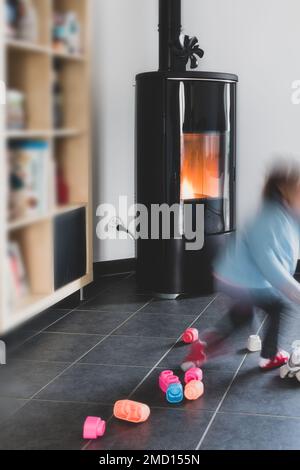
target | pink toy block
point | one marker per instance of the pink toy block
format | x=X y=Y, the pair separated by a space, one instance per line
x=193 y=374
x=93 y=428
x=190 y=336
x=167 y=378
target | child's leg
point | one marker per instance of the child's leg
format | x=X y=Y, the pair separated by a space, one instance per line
x=271 y=356
x=240 y=314
x=274 y=307
x=212 y=340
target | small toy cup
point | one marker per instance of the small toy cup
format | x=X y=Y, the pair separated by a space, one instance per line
x=174 y=393
x=254 y=343
x=193 y=374
x=131 y=411
x=93 y=427
x=167 y=378
x=190 y=336
x=194 y=390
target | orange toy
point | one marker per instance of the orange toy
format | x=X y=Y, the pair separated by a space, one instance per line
x=131 y=411
x=194 y=390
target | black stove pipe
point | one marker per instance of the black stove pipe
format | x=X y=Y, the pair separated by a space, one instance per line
x=169 y=32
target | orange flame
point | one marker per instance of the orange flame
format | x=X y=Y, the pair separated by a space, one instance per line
x=200 y=176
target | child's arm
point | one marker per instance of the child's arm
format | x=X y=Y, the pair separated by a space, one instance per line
x=265 y=244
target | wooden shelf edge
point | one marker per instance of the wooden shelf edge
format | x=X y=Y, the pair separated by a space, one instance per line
x=26 y=46
x=20 y=44
x=38 y=134
x=35 y=304
x=66 y=56
x=59 y=210
x=27 y=134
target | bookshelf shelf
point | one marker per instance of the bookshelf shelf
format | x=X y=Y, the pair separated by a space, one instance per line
x=28 y=68
x=27 y=134
x=22 y=45
x=66 y=56
x=62 y=133
x=26 y=221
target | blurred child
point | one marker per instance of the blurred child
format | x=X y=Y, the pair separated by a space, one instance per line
x=257 y=271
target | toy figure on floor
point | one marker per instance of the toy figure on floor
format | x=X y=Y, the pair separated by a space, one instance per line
x=292 y=368
x=257 y=271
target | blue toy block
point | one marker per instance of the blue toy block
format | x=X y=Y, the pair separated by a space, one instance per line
x=174 y=393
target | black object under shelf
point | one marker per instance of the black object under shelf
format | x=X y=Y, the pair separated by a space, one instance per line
x=70 y=246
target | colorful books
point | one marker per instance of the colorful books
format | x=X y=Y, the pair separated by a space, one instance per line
x=29 y=175
x=17 y=280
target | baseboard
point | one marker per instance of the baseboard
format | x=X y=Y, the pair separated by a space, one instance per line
x=105 y=268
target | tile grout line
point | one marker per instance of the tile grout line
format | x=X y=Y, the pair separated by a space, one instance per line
x=85 y=447
x=88 y=351
x=166 y=353
x=28 y=400
x=41 y=331
x=103 y=334
x=225 y=394
x=63 y=316
x=264 y=415
x=155 y=407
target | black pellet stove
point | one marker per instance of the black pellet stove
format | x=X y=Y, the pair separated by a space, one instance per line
x=185 y=150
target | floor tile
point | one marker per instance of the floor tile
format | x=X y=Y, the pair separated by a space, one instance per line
x=71 y=302
x=90 y=322
x=45 y=319
x=230 y=361
x=183 y=306
x=56 y=347
x=9 y=406
x=93 y=383
x=102 y=284
x=246 y=432
x=215 y=386
x=126 y=350
x=117 y=302
x=165 y=430
x=129 y=286
x=263 y=392
x=219 y=306
x=48 y=426
x=22 y=379
x=16 y=338
x=157 y=325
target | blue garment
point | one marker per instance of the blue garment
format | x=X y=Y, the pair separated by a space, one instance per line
x=265 y=255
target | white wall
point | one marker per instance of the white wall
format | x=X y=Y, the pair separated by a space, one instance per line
x=258 y=39
x=125 y=43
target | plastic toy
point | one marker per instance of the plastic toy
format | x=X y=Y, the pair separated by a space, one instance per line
x=167 y=378
x=292 y=368
x=93 y=428
x=193 y=374
x=131 y=411
x=174 y=393
x=194 y=390
x=254 y=343
x=190 y=335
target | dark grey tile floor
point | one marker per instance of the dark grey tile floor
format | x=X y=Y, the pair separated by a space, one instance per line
x=68 y=364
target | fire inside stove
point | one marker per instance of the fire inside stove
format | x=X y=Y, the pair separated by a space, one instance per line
x=200 y=166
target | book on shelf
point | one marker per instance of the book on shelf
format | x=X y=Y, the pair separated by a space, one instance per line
x=29 y=178
x=18 y=286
